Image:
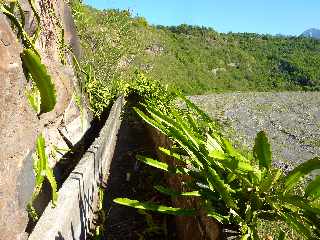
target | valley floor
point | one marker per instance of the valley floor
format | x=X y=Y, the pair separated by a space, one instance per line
x=291 y=119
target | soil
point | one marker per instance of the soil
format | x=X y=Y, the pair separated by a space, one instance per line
x=132 y=179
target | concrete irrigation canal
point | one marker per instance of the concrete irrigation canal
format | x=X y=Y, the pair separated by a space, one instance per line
x=74 y=214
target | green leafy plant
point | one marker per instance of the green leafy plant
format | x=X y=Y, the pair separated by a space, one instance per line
x=41 y=78
x=231 y=188
x=34 y=99
x=43 y=171
x=31 y=59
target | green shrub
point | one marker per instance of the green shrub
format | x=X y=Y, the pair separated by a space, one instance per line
x=233 y=189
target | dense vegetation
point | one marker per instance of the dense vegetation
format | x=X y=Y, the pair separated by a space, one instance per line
x=197 y=60
x=120 y=56
x=246 y=191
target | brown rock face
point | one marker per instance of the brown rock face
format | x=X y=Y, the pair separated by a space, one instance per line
x=18 y=129
x=19 y=125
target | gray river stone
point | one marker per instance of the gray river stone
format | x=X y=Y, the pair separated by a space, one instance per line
x=291 y=120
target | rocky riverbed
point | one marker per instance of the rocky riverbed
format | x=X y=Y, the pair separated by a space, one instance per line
x=291 y=120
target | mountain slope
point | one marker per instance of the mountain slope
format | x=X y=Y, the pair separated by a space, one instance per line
x=197 y=60
x=312 y=33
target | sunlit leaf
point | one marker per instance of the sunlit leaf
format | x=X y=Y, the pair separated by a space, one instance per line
x=262 y=150
x=42 y=79
x=301 y=171
x=154 y=207
x=313 y=188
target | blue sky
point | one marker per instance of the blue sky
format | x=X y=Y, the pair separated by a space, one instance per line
x=290 y=17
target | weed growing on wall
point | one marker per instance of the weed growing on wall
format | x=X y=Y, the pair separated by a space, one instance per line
x=41 y=96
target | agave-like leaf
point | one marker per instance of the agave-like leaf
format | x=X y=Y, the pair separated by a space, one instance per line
x=235 y=164
x=53 y=184
x=150 y=121
x=42 y=157
x=217 y=154
x=192 y=122
x=216 y=183
x=192 y=106
x=313 y=188
x=176 y=126
x=43 y=170
x=228 y=148
x=262 y=150
x=270 y=179
x=193 y=152
x=295 y=203
x=314 y=220
x=172 y=154
x=213 y=144
x=42 y=79
x=192 y=136
x=162 y=166
x=301 y=171
x=219 y=217
x=248 y=213
x=173 y=193
x=297 y=224
x=155 y=207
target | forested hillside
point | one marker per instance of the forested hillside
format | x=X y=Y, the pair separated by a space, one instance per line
x=248 y=190
x=195 y=59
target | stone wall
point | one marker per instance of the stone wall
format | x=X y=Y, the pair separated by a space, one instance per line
x=19 y=124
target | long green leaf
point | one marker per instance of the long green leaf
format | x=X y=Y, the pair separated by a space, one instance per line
x=173 y=193
x=213 y=144
x=301 y=228
x=216 y=183
x=43 y=160
x=42 y=79
x=172 y=154
x=192 y=106
x=262 y=150
x=161 y=165
x=151 y=121
x=301 y=171
x=43 y=170
x=297 y=202
x=219 y=217
x=270 y=179
x=176 y=126
x=154 y=207
x=313 y=188
x=53 y=184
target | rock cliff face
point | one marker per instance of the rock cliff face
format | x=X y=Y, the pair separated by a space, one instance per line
x=19 y=124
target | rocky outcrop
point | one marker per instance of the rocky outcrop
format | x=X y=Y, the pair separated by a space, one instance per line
x=19 y=124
